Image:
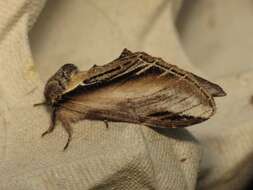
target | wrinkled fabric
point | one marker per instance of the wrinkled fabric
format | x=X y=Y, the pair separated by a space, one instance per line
x=37 y=37
x=216 y=35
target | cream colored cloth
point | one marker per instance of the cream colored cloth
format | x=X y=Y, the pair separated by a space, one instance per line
x=125 y=156
x=217 y=37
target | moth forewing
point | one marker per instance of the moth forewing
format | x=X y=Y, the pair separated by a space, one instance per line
x=137 y=88
x=75 y=81
x=144 y=99
x=68 y=77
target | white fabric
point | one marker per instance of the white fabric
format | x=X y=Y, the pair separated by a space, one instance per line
x=125 y=156
x=217 y=37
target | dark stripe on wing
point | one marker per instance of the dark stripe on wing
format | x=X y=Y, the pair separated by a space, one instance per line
x=175 y=119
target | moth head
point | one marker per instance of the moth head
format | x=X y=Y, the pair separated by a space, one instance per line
x=58 y=83
x=53 y=92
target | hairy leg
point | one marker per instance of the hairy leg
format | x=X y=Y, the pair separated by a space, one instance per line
x=66 y=125
x=52 y=124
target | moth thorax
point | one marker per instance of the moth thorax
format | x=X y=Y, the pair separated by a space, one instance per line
x=68 y=70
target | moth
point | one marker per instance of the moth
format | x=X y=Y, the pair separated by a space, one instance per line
x=134 y=88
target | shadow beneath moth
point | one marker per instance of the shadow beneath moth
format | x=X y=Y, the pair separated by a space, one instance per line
x=135 y=88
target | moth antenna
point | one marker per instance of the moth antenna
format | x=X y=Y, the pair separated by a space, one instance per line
x=40 y=104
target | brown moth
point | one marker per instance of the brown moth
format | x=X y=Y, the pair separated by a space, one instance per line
x=135 y=88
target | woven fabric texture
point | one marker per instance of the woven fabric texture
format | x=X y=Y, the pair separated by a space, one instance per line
x=37 y=37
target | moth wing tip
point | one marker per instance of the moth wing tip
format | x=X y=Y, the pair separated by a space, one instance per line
x=219 y=92
x=222 y=93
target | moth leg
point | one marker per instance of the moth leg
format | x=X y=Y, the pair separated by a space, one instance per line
x=69 y=131
x=106 y=124
x=52 y=124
